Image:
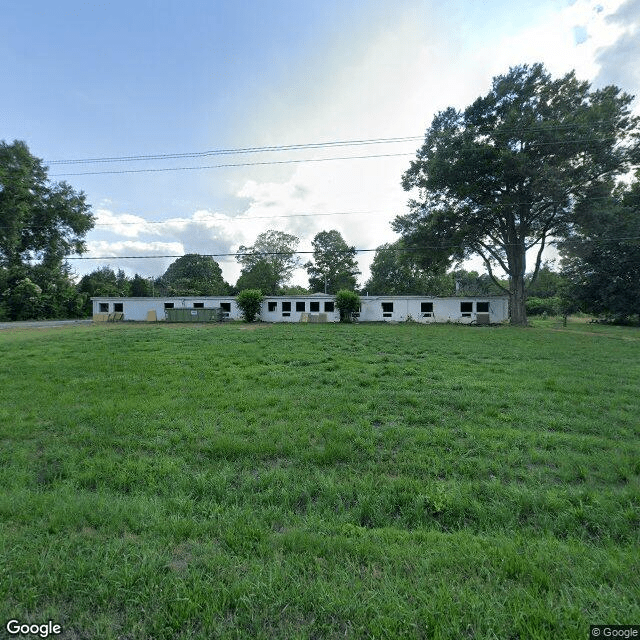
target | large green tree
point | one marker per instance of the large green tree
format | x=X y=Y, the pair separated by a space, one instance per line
x=261 y=275
x=334 y=265
x=41 y=224
x=194 y=275
x=103 y=281
x=503 y=176
x=395 y=271
x=275 y=248
x=601 y=258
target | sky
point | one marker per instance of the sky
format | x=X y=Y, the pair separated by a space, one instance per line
x=129 y=78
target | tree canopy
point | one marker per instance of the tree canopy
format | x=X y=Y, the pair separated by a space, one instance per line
x=41 y=223
x=260 y=275
x=394 y=272
x=504 y=175
x=601 y=257
x=334 y=265
x=274 y=248
x=194 y=275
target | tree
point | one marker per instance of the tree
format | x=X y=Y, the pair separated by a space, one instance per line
x=249 y=302
x=504 y=175
x=548 y=283
x=601 y=258
x=41 y=223
x=194 y=275
x=348 y=302
x=260 y=275
x=275 y=248
x=394 y=272
x=471 y=283
x=103 y=282
x=141 y=287
x=334 y=265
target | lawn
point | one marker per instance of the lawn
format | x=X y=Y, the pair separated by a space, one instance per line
x=320 y=481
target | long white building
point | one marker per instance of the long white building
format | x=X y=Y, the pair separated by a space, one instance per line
x=309 y=308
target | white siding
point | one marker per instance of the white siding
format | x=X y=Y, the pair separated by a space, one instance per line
x=395 y=309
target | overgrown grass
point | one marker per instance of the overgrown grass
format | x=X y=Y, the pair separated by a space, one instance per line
x=367 y=481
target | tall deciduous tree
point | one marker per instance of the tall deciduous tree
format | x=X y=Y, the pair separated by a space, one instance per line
x=194 y=275
x=503 y=176
x=395 y=272
x=41 y=223
x=260 y=275
x=334 y=265
x=602 y=256
x=103 y=282
x=277 y=249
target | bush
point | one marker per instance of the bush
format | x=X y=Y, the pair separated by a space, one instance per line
x=538 y=306
x=249 y=301
x=348 y=302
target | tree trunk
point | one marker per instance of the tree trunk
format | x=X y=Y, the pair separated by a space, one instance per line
x=517 y=301
x=517 y=258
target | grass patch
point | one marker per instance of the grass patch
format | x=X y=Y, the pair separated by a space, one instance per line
x=320 y=480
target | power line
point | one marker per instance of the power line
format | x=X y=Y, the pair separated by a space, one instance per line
x=392 y=249
x=308 y=145
x=239 y=150
x=226 y=165
x=477 y=148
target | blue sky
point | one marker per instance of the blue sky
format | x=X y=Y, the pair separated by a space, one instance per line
x=110 y=79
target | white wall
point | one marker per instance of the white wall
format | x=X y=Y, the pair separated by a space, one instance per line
x=403 y=307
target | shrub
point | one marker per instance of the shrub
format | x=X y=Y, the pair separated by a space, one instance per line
x=537 y=306
x=249 y=301
x=348 y=302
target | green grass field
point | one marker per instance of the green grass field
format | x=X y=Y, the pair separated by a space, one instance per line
x=320 y=481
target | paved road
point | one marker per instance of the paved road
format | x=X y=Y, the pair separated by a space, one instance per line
x=41 y=324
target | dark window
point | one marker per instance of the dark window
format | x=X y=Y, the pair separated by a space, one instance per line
x=226 y=306
x=286 y=306
x=104 y=307
x=328 y=307
x=272 y=306
x=168 y=305
x=118 y=307
x=314 y=306
x=300 y=306
x=387 y=307
x=466 y=307
x=426 y=307
x=198 y=305
x=482 y=307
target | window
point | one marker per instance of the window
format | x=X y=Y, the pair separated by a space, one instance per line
x=482 y=307
x=466 y=308
x=198 y=305
x=426 y=309
x=314 y=306
x=300 y=306
x=118 y=307
x=226 y=307
x=104 y=307
x=286 y=309
x=387 y=309
x=272 y=306
x=168 y=305
x=328 y=307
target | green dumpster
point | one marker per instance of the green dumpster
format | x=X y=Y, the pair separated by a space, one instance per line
x=194 y=315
